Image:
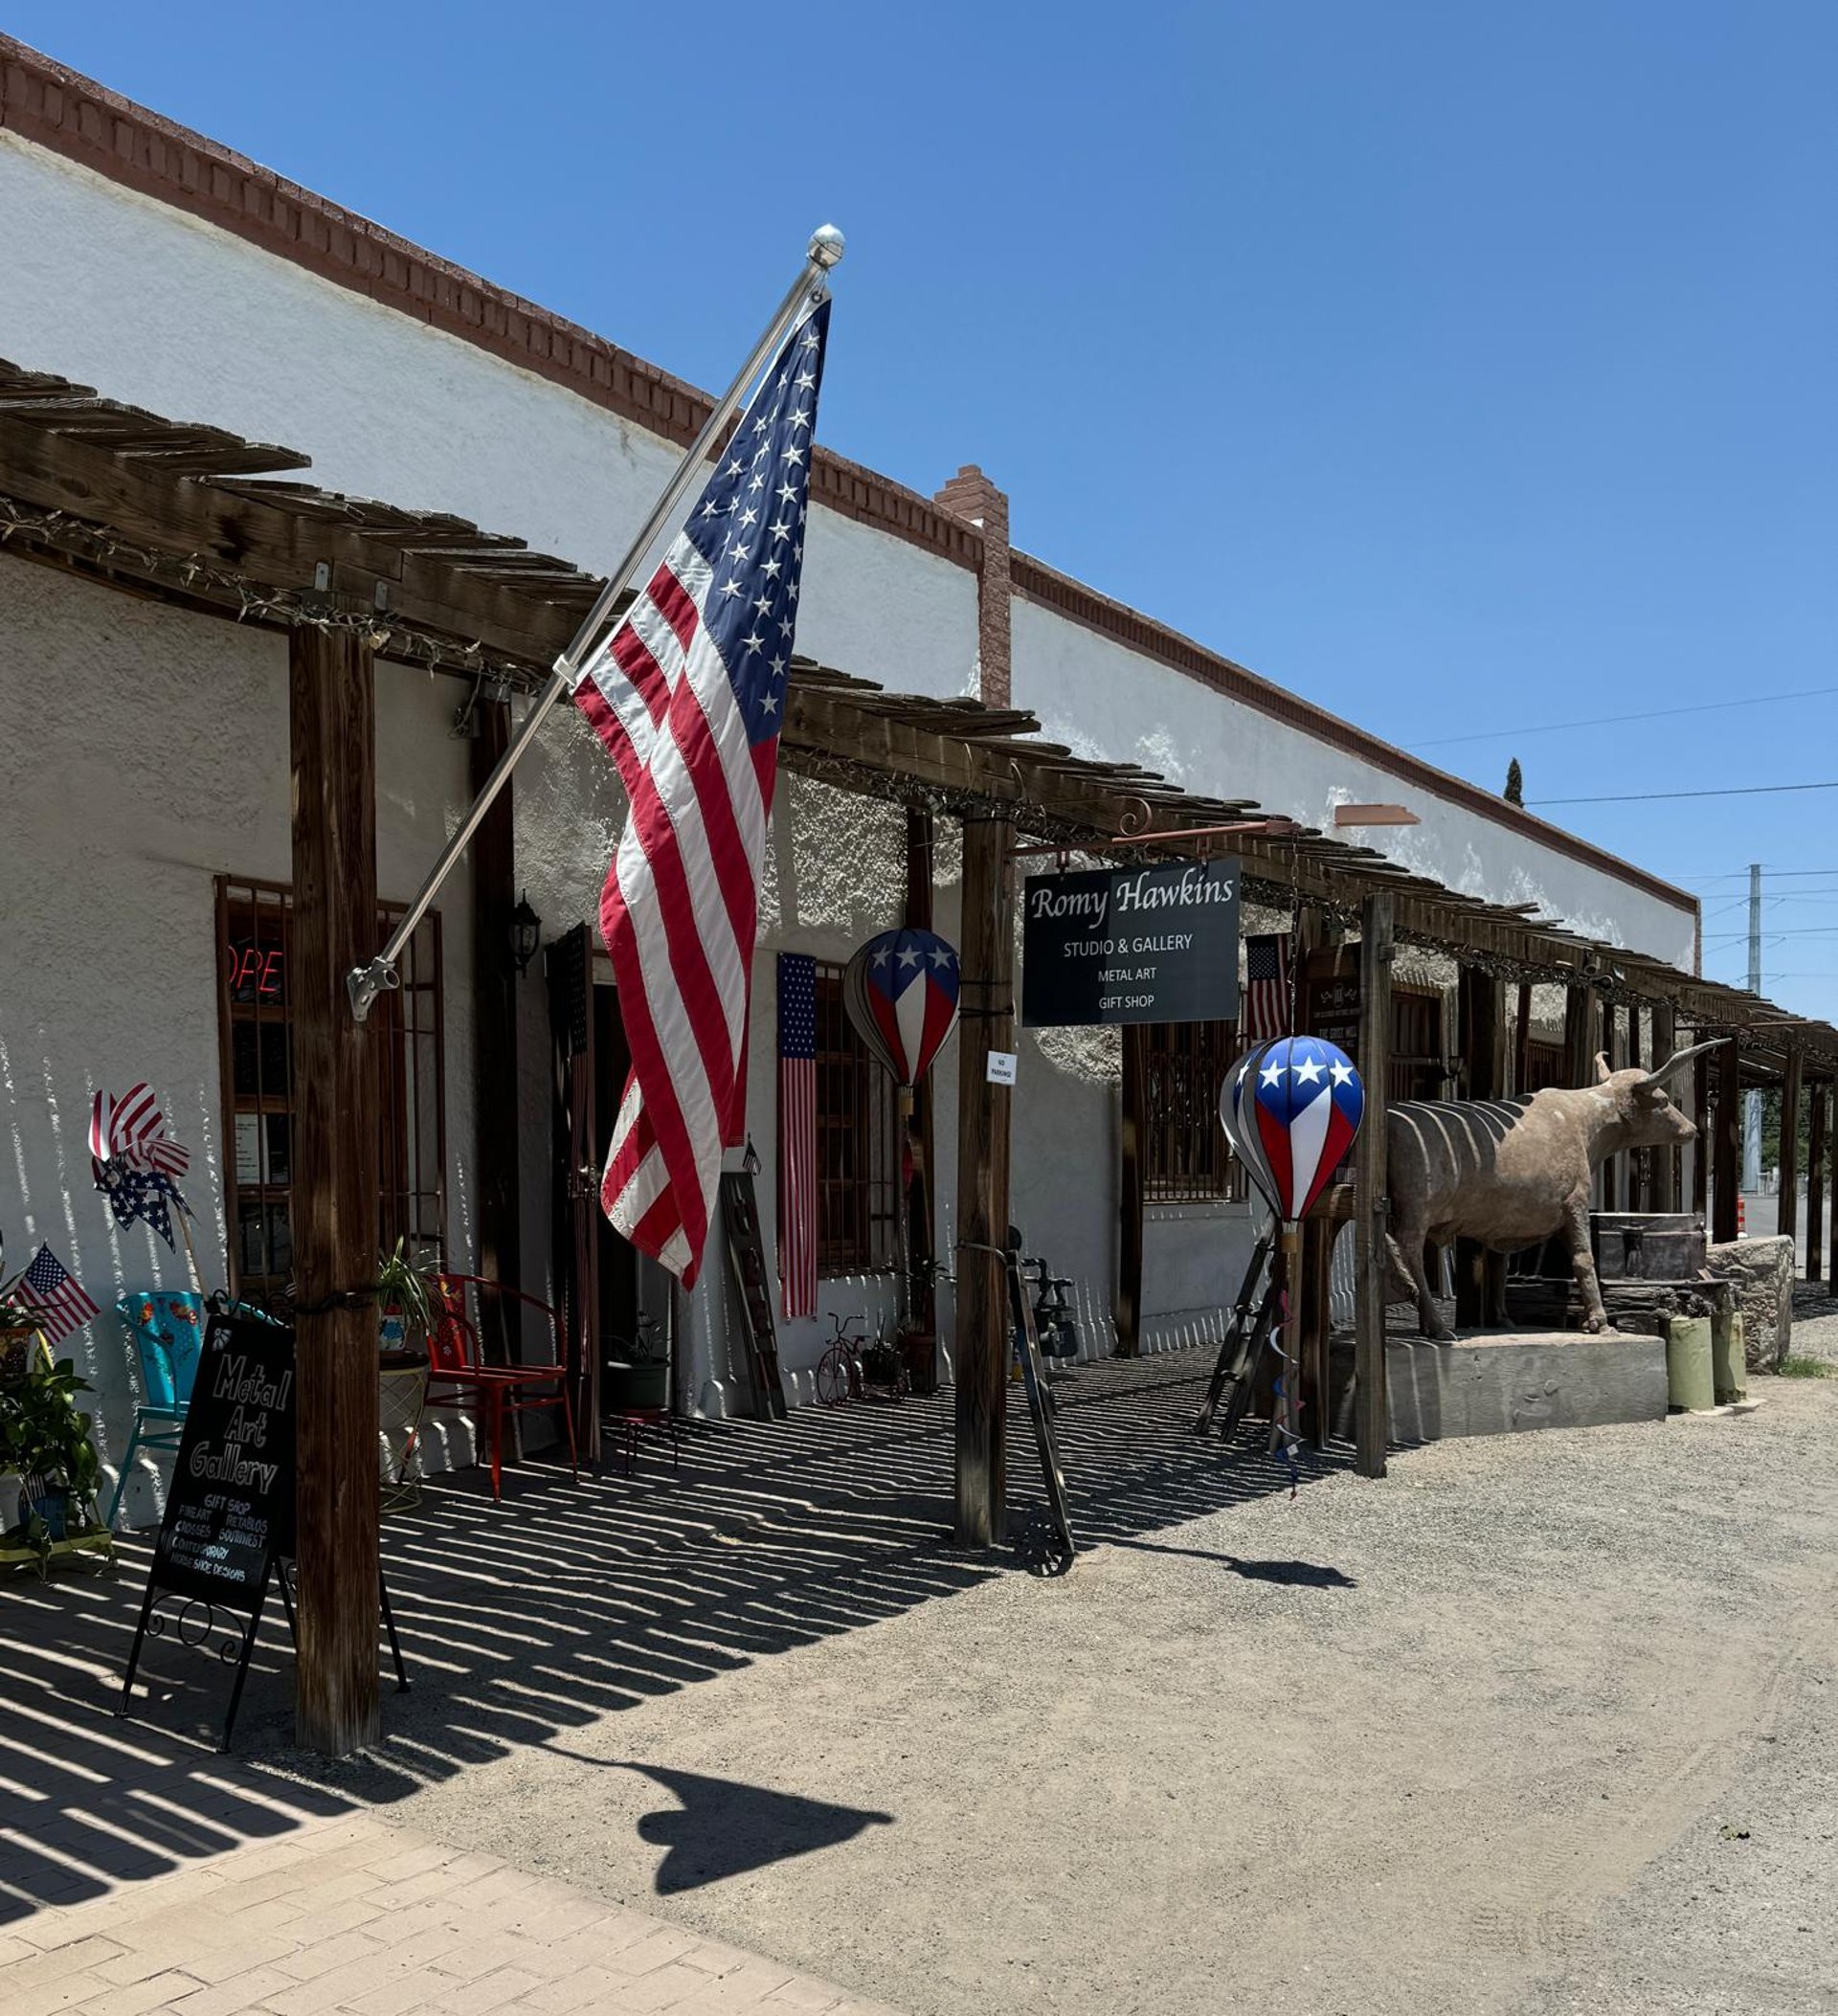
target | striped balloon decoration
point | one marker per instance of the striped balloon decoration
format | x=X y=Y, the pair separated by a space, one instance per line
x=901 y=991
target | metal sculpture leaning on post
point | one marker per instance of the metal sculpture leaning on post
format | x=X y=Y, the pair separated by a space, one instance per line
x=1511 y=1173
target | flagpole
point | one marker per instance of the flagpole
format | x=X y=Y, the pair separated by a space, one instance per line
x=364 y=983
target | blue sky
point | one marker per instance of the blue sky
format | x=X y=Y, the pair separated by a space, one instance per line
x=1461 y=368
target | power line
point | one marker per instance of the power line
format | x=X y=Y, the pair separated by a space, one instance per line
x=1806 y=931
x=1642 y=797
x=1774 y=875
x=1563 y=728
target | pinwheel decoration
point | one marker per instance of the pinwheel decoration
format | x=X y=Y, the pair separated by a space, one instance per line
x=134 y=1160
x=901 y=991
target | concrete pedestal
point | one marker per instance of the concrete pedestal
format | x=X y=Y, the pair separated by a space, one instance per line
x=1501 y=1384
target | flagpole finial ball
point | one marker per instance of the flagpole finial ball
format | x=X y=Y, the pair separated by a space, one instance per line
x=826 y=246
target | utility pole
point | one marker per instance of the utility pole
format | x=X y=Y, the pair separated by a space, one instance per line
x=1751 y=1101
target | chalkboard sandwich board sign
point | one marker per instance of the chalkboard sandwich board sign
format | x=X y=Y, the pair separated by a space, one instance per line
x=1131 y=945
x=231 y=1511
x=230 y=1515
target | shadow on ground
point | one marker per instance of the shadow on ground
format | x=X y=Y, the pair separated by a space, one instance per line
x=570 y=1602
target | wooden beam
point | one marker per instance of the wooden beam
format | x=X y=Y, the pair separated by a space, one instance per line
x=987 y=989
x=276 y=545
x=1664 y=1178
x=495 y=1087
x=1371 y=1202
x=1816 y=1182
x=1726 y=1148
x=1786 y=1220
x=1130 y=1145
x=335 y=1146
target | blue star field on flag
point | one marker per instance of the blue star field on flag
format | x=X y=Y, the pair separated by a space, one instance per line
x=749 y=528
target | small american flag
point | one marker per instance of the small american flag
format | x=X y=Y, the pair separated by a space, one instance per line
x=1266 y=988
x=797 y=1133
x=55 y=1293
x=689 y=697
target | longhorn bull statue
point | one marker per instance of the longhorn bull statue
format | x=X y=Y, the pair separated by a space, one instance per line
x=1510 y=1172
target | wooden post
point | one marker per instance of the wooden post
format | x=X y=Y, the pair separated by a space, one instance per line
x=330 y=692
x=1580 y=1043
x=1128 y=1308
x=1371 y=1208
x=1665 y=1192
x=494 y=1037
x=1816 y=1183
x=1580 y=1039
x=1702 y=1147
x=1726 y=1152
x=1522 y=1042
x=922 y=1233
x=1318 y=1257
x=1786 y=1220
x=987 y=991
x=1480 y=1021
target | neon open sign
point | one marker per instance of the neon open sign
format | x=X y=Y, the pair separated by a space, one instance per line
x=257 y=973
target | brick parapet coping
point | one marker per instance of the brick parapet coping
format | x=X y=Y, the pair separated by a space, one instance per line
x=69 y=113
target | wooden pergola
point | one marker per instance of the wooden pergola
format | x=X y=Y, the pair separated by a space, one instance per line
x=217 y=524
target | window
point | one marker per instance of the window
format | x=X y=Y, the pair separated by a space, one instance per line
x=256 y=1025
x=1419 y=1064
x=1185 y=1155
x=857 y=1151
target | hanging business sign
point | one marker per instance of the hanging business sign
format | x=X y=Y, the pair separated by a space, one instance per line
x=1131 y=945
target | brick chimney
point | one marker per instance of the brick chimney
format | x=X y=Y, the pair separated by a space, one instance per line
x=970 y=494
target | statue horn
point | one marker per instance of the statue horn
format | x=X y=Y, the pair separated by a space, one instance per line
x=1602 y=1073
x=1680 y=1058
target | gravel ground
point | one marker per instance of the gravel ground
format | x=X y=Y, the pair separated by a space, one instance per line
x=1541 y=1724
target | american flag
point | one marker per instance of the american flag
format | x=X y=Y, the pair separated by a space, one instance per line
x=55 y=1293
x=129 y=1127
x=1267 y=989
x=797 y=1133
x=688 y=696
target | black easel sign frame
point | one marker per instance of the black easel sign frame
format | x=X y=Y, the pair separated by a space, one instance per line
x=228 y=1527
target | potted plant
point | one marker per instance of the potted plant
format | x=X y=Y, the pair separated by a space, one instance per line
x=44 y=1441
x=919 y=1348
x=404 y=1306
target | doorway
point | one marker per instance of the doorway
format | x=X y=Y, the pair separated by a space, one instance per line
x=617 y=1259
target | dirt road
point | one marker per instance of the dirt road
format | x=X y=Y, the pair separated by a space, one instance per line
x=1540 y=1724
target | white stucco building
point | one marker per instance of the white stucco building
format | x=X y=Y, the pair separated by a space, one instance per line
x=150 y=811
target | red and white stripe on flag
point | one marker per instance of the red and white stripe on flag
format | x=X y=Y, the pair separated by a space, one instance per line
x=689 y=697
x=1266 y=1010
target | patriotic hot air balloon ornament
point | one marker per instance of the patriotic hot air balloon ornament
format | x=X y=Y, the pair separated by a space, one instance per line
x=901 y=990
x=1292 y=1109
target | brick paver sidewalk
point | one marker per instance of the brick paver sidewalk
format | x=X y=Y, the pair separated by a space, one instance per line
x=355 y=1915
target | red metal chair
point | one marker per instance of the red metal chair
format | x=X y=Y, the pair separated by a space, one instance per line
x=456 y=1362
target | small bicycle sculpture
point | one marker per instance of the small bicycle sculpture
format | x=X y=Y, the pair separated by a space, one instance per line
x=859 y=1367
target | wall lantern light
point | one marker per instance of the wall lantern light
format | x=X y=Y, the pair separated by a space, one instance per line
x=526 y=933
